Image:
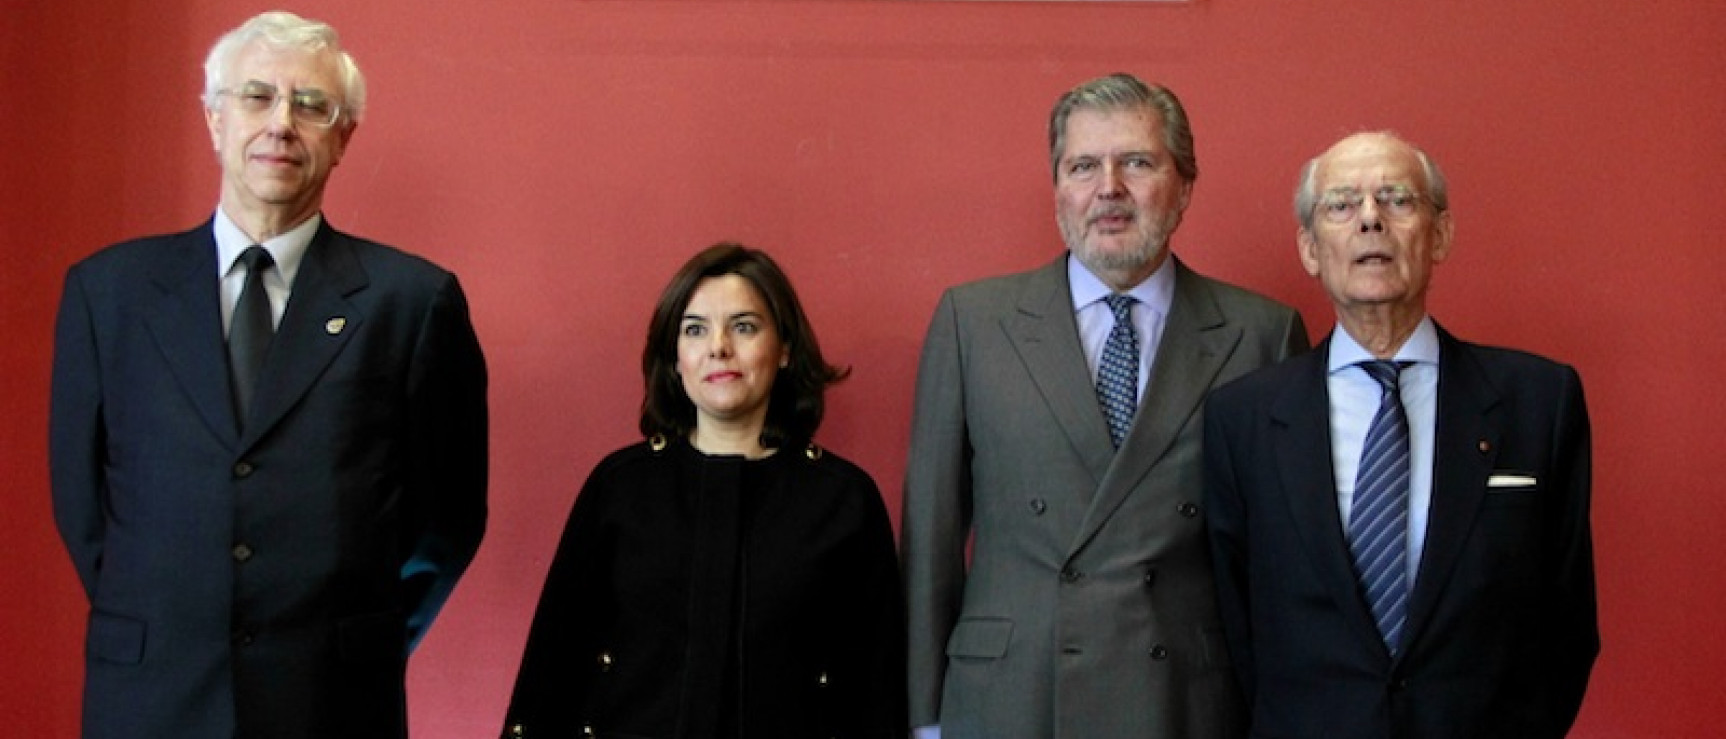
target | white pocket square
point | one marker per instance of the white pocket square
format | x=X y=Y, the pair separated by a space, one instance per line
x=1510 y=481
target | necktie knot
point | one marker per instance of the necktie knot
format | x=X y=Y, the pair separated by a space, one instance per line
x=1122 y=305
x=1387 y=373
x=256 y=258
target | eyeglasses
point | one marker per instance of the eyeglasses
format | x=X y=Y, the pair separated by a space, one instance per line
x=306 y=106
x=1342 y=206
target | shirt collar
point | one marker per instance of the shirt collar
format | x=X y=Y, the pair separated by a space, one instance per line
x=287 y=249
x=1156 y=292
x=1420 y=348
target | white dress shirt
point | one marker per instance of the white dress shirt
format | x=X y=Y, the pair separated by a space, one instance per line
x=286 y=249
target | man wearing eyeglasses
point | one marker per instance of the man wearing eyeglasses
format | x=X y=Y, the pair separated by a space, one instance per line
x=1399 y=519
x=267 y=438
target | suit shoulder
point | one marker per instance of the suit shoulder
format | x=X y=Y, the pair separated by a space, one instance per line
x=127 y=257
x=828 y=464
x=1510 y=368
x=1260 y=384
x=988 y=291
x=1240 y=302
x=383 y=258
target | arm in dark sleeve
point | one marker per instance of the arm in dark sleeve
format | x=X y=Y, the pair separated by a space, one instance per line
x=76 y=435
x=555 y=677
x=1575 y=635
x=878 y=607
x=1226 y=521
x=448 y=441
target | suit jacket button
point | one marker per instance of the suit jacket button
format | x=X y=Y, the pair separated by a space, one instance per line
x=605 y=662
x=1070 y=575
x=243 y=469
x=1188 y=509
x=1159 y=652
x=1038 y=506
x=1150 y=578
x=242 y=552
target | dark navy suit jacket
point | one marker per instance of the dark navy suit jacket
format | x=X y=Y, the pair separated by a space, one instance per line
x=1501 y=631
x=265 y=583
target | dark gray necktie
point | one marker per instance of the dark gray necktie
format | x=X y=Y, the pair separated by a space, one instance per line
x=250 y=331
x=1378 y=519
x=1118 y=371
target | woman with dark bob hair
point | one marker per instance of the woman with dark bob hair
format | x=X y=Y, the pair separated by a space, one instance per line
x=725 y=578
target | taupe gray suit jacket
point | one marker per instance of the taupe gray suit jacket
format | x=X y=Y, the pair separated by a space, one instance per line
x=1087 y=610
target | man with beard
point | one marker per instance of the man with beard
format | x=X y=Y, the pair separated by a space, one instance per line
x=1056 y=433
x=1399 y=519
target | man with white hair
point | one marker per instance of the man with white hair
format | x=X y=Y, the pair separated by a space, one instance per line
x=1399 y=519
x=267 y=437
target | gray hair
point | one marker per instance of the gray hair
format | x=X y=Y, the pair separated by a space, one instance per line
x=1306 y=188
x=1121 y=91
x=284 y=30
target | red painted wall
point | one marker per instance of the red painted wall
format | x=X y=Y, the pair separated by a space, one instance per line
x=565 y=157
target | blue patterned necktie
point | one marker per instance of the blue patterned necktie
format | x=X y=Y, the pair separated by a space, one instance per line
x=1118 y=372
x=1378 y=520
x=249 y=331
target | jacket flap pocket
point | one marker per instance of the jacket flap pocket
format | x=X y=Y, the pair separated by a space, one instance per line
x=980 y=637
x=115 y=638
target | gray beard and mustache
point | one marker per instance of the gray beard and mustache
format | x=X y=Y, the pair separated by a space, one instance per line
x=1153 y=239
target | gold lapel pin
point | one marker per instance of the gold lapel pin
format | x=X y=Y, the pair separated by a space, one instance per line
x=335 y=325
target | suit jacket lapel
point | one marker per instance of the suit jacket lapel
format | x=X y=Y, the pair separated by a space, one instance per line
x=1046 y=337
x=1466 y=441
x=1301 y=451
x=1196 y=341
x=318 y=322
x=185 y=321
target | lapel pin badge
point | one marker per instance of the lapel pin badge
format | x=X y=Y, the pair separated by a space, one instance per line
x=1484 y=446
x=335 y=325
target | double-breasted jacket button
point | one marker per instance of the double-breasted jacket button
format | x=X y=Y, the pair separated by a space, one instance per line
x=1188 y=509
x=1070 y=575
x=242 y=552
x=1039 y=506
x=243 y=469
x=1151 y=577
x=605 y=662
x=1159 y=652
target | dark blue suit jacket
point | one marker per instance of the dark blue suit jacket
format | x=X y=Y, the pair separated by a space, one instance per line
x=265 y=583
x=1501 y=631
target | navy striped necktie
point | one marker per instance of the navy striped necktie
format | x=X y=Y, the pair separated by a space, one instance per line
x=1378 y=518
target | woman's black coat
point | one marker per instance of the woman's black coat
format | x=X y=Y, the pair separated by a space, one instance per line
x=695 y=597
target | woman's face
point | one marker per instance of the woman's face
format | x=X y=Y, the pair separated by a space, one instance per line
x=728 y=353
